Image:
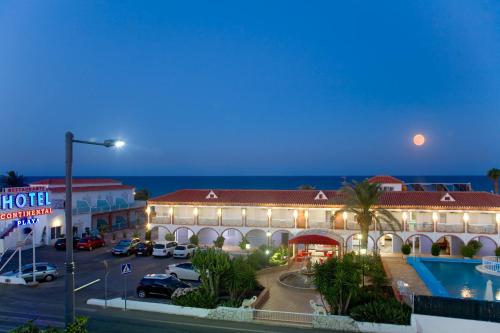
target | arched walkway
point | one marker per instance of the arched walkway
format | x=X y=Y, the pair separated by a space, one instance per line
x=450 y=245
x=389 y=243
x=488 y=248
x=256 y=238
x=232 y=239
x=158 y=233
x=207 y=236
x=280 y=238
x=182 y=235
x=354 y=243
x=421 y=243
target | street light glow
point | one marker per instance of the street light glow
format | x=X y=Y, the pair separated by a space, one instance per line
x=114 y=143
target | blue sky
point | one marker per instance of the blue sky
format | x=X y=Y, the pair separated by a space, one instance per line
x=251 y=88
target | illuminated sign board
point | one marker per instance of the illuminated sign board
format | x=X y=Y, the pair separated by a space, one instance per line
x=24 y=202
x=28 y=221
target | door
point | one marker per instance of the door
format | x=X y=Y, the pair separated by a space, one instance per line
x=284 y=238
x=301 y=219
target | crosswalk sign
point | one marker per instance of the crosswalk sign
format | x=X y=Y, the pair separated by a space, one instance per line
x=126 y=268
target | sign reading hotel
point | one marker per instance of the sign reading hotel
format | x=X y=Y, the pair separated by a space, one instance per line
x=24 y=202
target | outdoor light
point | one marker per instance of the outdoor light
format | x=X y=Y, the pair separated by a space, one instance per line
x=268 y=234
x=405 y=216
x=195 y=211
x=267 y=252
x=243 y=212
x=148 y=210
x=148 y=226
x=434 y=217
x=219 y=212
x=344 y=216
x=362 y=251
x=306 y=214
x=466 y=217
x=359 y=236
x=269 y=213
x=170 y=211
x=497 y=218
x=114 y=143
x=296 y=214
x=247 y=246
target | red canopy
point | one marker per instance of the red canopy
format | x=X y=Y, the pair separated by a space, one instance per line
x=314 y=237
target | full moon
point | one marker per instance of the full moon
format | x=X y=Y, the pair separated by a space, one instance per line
x=419 y=140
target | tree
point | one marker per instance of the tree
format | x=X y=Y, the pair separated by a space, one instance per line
x=13 y=179
x=169 y=237
x=194 y=239
x=362 y=200
x=212 y=265
x=240 y=279
x=338 y=280
x=142 y=194
x=494 y=175
x=219 y=242
x=306 y=187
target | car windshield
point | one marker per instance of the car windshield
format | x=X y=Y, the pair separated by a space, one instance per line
x=180 y=248
x=159 y=246
x=124 y=243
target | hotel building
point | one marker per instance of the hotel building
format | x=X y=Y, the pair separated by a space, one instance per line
x=449 y=217
x=96 y=202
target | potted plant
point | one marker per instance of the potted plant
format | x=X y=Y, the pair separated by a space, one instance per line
x=467 y=251
x=406 y=249
x=169 y=237
x=475 y=245
x=435 y=249
x=194 y=239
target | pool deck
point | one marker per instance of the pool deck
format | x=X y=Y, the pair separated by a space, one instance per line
x=398 y=269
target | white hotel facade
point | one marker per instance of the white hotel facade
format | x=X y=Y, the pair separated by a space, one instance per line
x=266 y=217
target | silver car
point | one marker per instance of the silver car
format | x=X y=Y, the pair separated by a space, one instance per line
x=43 y=272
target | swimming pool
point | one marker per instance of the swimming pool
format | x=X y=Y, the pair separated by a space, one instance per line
x=456 y=278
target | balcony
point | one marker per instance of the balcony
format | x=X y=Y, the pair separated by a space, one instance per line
x=188 y=220
x=161 y=219
x=257 y=223
x=208 y=221
x=452 y=228
x=476 y=228
x=387 y=227
x=234 y=222
x=318 y=225
x=282 y=223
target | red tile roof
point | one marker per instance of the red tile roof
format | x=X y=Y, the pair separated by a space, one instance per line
x=463 y=200
x=61 y=181
x=385 y=180
x=92 y=188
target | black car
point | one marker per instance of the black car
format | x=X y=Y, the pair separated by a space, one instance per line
x=144 y=248
x=60 y=243
x=159 y=285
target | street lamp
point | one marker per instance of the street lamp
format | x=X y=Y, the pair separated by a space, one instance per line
x=69 y=278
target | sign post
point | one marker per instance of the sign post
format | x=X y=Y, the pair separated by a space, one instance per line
x=126 y=270
x=106 y=272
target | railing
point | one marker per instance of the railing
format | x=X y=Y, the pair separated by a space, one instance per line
x=282 y=223
x=318 y=224
x=161 y=219
x=210 y=221
x=183 y=220
x=492 y=264
x=232 y=222
x=257 y=223
x=453 y=228
x=282 y=316
x=481 y=228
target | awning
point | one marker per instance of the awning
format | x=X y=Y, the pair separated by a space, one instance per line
x=313 y=236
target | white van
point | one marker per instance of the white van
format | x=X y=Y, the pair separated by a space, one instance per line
x=164 y=249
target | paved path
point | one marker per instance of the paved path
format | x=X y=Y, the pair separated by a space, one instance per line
x=397 y=269
x=286 y=299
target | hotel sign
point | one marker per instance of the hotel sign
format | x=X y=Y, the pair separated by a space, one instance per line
x=23 y=203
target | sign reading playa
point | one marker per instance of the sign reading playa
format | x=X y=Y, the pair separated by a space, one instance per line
x=24 y=204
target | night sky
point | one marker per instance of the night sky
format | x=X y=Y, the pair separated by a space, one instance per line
x=251 y=88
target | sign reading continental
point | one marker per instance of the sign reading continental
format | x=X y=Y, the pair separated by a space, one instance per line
x=22 y=203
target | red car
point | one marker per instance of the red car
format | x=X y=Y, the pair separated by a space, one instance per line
x=90 y=243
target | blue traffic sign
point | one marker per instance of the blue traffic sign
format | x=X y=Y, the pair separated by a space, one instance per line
x=126 y=268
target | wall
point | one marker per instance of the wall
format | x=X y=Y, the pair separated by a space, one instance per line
x=431 y=324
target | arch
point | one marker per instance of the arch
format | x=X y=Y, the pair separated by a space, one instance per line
x=232 y=238
x=256 y=237
x=450 y=244
x=207 y=235
x=182 y=234
x=351 y=247
x=389 y=242
x=280 y=237
x=489 y=245
x=158 y=232
x=423 y=243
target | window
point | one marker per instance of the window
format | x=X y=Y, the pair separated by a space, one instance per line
x=413 y=216
x=442 y=217
x=55 y=232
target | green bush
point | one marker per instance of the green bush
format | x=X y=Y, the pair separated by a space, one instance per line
x=258 y=259
x=406 y=249
x=194 y=239
x=169 y=237
x=373 y=268
x=467 y=251
x=280 y=256
x=197 y=298
x=79 y=326
x=382 y=311
x=219 y=242
x=497 y=251
x=243 y=243
x=435 y=249
x=475 y=245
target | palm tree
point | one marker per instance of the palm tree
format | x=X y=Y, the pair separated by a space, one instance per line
x=12 y=179
x=362 y=200
x=494 y=175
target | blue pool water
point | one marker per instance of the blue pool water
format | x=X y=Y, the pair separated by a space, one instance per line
x=456 y=278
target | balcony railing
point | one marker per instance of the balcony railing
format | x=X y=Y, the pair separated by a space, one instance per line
x=257 y=223
x=318 y=224
x=474 y=228
x=161 y=219
x=282 y=223
x=234 y=222
x=184 y=220
x=209 y=221
x=453 y=228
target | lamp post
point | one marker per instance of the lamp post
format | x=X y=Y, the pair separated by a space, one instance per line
x=69 y=278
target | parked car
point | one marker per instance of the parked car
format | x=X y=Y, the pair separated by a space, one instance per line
x=184 y=251
x=159 y=285
x=164 y=249
x=125 y=246
x=90 y=243
x=144 y=248
x=60 y=243
x=184 y=271
x=44 y=271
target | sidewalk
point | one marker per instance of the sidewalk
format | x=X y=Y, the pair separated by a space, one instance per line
x=397 y=269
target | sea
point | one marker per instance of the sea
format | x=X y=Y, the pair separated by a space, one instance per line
x=158 y=185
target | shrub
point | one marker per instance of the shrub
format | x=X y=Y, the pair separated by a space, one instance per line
x=219 y=242
x=475 y=245
x=382 y=311
x=240 y=279
x=194 y=239
x=406 y=249
x=435 y=249
x=243 y=243
x=169 y=237
x=497 y=251
x=280 y=256
x=79 y=326
x=213 y=265
x=197 y=298
x=467 y=251
x=258 y=259
x=375 y=270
